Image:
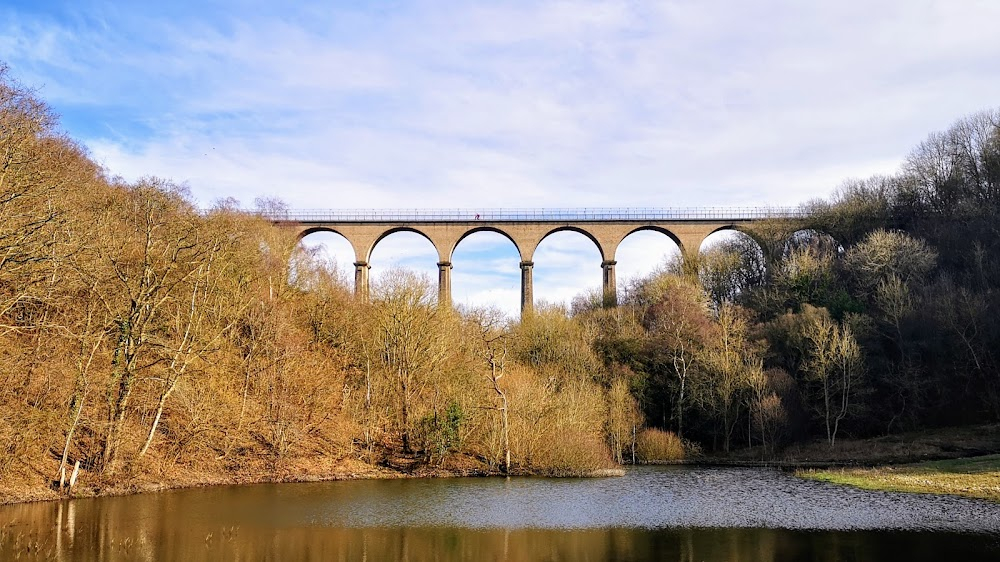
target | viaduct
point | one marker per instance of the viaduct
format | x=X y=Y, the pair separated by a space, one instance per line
x=525 y=228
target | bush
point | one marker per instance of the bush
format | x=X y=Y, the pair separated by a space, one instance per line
x=572 y=452
x=656 y=445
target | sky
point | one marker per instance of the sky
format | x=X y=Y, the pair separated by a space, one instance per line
x=485 y=104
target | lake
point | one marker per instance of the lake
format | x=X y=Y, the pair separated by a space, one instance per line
x=652 y=513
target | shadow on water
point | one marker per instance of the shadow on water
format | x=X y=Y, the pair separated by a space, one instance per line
x=650 y=514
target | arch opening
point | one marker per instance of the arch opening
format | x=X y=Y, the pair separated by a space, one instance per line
x=486 y=230
x=816 y=242
x=558 y=233
x=643 y=252
x=487 y=272
x=409 y=233
x=404 y=249
x=322 y=251
x=567 y=267
x=730 y=264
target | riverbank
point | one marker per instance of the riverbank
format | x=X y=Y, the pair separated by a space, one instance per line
x=961 y=461
x=894 y=462
x=299 y=470
x=975 y=477
x=33 y=490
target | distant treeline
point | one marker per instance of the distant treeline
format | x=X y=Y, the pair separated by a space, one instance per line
x=153 y=342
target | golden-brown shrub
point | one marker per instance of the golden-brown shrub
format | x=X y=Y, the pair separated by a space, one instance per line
x=655 y=445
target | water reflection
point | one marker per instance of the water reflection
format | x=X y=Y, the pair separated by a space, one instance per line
x=445 y=544
x=651 y=514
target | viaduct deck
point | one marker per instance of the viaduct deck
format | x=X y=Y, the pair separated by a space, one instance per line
x=525 y=228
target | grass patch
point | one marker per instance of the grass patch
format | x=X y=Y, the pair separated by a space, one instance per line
x=974 y=477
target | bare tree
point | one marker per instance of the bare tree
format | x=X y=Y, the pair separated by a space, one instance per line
x=680 y=324
x=409 y=339
x=155 y=249
x=91 y=335
x=733 y=363
x=835 y=364
x=493 y=335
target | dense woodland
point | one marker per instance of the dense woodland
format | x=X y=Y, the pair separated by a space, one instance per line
x=148 y=339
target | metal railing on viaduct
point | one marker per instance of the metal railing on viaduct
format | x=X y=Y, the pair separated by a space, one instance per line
x=585 y=214
x=525 y=228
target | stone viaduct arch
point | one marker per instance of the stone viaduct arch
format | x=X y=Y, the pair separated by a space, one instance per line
x=606 y=228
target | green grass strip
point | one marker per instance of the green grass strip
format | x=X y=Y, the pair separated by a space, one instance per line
x=974 y=477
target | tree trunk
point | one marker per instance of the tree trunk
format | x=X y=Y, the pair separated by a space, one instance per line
x=826 y=405
x=77 y=400
x=405 y=414
x=680 y=410
x=156 y=419
x=118 y=397
x=504 y=418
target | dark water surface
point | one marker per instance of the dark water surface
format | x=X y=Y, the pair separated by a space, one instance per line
x=652 y=513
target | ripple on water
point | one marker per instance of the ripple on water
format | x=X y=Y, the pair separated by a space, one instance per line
x=647 y=497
